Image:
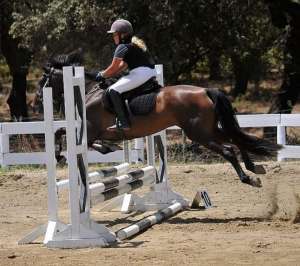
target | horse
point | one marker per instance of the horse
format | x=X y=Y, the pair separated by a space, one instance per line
x=205 y=115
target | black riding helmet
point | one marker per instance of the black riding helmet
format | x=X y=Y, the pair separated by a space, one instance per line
x=122 y=26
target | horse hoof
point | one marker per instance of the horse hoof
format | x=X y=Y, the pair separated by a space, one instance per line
x=256 y=169
x=254 y=182
x=61 y=160
x=259 y=170
x=100 y=148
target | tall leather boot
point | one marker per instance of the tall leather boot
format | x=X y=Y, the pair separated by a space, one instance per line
x=122 y=122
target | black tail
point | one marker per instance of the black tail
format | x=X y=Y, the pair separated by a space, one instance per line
x=231 y=128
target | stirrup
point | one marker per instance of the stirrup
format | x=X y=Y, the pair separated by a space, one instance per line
x=118 y=127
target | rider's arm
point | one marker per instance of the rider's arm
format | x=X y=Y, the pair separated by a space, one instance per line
x=117 y=66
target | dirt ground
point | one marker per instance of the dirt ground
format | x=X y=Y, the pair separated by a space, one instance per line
x=247 y=226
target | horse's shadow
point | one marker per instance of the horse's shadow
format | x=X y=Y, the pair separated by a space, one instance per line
x=130 y=243
x=180 y=220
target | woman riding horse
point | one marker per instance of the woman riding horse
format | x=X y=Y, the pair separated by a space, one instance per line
x=131 y=53
x=205 y=115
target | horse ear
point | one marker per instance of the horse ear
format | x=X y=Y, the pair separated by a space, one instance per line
x=47 y=68
x=75 y=57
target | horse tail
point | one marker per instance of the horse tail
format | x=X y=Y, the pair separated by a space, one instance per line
x=230 y=126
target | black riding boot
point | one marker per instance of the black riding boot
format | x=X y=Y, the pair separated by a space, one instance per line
x=122 y=122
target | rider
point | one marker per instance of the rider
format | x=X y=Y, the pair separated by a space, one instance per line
x=131 y=52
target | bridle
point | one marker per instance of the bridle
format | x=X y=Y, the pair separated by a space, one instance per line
x=57 y=101
x=45 y=81
x=46 y=78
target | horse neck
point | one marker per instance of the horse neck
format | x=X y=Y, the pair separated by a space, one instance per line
x=93 y=93
x=89 y=85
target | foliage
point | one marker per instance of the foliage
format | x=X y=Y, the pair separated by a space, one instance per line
x=180 y=34
x=61 y=25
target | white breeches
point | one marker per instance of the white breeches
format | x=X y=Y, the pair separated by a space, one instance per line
x=135 y=78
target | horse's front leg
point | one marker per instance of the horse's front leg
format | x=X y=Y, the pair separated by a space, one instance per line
x=96 y=140
x=104 y=147
x=58 y=137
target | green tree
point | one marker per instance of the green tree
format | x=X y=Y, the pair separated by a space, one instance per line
x=58 y=26
x=180 y=34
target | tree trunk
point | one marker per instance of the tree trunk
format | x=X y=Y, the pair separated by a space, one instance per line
x=284 y=100
x=17 y=98
x=18 y=59
x=286 y=13
x=241 y=77
x=214 y=66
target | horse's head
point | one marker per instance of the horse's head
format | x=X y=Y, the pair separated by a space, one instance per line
x=53 y=77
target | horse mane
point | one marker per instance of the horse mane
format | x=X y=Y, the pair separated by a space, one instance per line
x=75 y=58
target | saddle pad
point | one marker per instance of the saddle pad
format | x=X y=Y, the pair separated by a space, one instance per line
x=141 y=101
x=143 y=104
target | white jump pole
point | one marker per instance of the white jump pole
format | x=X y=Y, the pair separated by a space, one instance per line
x=147 y=222
x=98 y=175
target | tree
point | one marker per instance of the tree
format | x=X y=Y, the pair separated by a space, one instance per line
x=286 y=15
x=180 y=33
x=245 y=35
x=58 y=26
x=18 y=59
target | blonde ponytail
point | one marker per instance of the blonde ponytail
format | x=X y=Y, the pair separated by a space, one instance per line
x=139 y=43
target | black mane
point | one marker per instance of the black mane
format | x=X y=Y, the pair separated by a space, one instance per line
x=74 y=58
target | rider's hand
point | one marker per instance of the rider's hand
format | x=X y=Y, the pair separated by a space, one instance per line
x=99 y=77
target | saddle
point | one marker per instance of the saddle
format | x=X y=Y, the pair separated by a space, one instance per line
x=139 y=101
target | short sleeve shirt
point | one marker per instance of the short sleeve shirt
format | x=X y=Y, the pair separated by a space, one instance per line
x=133 y=56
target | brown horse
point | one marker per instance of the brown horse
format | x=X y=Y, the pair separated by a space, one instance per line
x=205 y=115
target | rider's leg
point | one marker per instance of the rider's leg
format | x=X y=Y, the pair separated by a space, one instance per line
x=135 y=78
x=119 y=107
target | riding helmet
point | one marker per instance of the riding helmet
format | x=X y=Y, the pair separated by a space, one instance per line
x=121 y=26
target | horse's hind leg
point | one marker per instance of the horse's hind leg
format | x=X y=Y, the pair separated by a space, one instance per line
x=215 y=142
x=228 y=153
x=249 y=164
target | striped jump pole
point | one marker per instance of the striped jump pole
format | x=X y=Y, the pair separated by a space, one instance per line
x=149 y=221
x=115 y=192
x=98 y=175
x=108 y=172
x=122 y=180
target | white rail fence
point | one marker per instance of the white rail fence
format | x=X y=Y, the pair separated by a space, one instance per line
x=136 y=153
x=136 y=147
x=281 y=121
